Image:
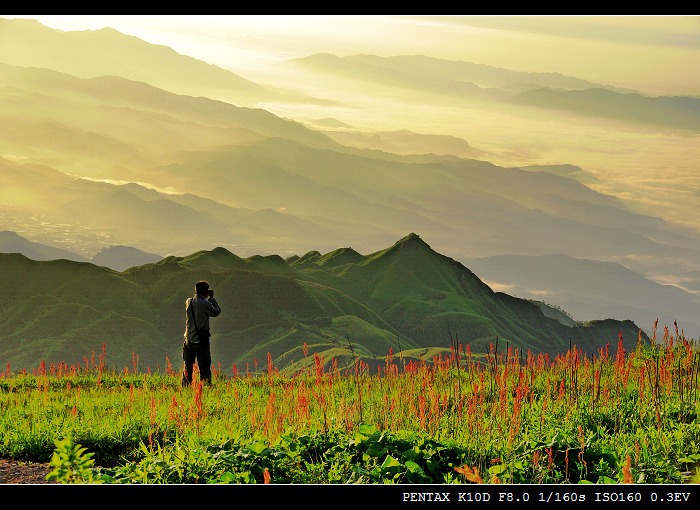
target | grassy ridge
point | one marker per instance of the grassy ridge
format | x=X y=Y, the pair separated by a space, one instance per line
x=403 y=297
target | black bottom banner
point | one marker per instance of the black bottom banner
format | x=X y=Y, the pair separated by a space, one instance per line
x=394 y=496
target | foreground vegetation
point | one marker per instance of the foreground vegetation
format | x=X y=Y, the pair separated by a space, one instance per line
x=502 y=417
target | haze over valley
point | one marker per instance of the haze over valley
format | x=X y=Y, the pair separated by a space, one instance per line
x=108 y=140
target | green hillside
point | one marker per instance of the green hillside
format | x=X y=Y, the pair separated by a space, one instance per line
x=343 y=306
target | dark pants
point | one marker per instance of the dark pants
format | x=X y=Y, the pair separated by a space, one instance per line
x=196 y=352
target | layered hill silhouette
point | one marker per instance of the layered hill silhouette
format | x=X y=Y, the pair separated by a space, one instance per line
x=454 y=81
x=108 y=52
x=213 y=174
x=404 y=300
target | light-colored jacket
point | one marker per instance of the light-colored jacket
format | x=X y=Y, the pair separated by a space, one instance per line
x=203 y=308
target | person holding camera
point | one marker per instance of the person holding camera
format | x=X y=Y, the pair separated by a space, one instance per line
x=196 y=346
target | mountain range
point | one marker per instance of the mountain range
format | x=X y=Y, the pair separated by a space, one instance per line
x=453 y=81
x=406 y=300
x=114 y=150
x=172 y=174
x=584 y=289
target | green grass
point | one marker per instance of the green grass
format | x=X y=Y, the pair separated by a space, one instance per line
x=504 y=417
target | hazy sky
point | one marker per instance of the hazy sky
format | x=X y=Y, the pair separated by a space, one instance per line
x=658 y=55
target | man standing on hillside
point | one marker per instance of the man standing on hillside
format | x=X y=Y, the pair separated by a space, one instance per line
x=198 y=309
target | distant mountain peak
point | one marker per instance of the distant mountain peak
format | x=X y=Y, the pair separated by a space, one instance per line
x=218 y=255
x=121 y=257
x=340 y=257
x=412 y=240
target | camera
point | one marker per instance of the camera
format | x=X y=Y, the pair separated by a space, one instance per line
x=210 y=293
